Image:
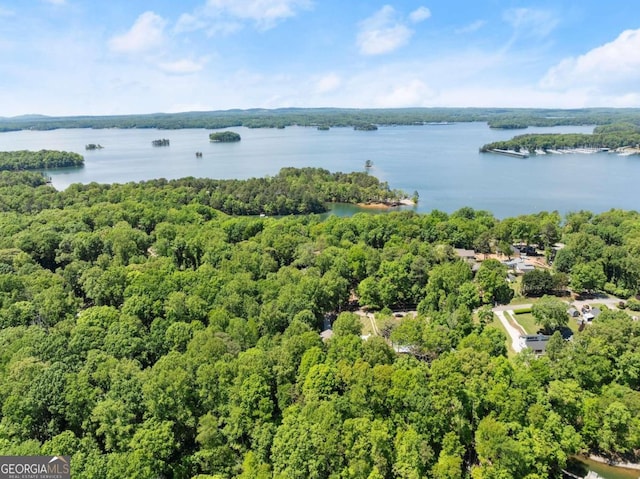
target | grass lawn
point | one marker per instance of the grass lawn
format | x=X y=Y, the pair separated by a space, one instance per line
x=528 y=322
x=518 y=300
x=366 y=326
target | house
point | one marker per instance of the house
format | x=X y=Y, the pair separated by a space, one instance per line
x=592 y=314
x=466 y=254
x=536 y=342
x=524 y=267
x=573 y=312
x=519 y=265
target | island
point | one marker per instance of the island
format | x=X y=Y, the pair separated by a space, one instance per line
x=160 y=142
x=37 y=160
x=224 y=137
x=93 y=146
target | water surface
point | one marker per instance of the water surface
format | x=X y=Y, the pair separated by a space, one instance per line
x=440 y=162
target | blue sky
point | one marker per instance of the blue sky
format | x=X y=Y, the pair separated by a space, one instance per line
x=95 y=57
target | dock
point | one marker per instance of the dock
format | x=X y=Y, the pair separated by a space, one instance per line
x=591 y=475
x=516 y=154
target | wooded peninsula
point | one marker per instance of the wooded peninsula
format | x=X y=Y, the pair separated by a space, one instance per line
x=609 y=137
x=38 y=160
x=146 y=333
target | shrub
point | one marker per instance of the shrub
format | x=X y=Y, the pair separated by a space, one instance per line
x=633 y=304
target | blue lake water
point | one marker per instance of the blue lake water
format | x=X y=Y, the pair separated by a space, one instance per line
x=441 y=162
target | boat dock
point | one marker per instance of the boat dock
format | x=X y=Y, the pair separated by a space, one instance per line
x=516 y=154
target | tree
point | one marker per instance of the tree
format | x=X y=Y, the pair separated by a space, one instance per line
x=550 y=313
x=485 y=316
x=588 y=277
x=492 y=281
x=537 y=283
x=450 y=460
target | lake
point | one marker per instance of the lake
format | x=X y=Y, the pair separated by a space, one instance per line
x=441 y=162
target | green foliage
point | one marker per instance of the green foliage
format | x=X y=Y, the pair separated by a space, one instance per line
x=550 y=313
x=329 y=117
x=224 y=137
x=148 y=334
x=532 y=142
x=37 y=160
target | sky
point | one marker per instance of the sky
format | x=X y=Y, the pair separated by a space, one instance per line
x=103 y=57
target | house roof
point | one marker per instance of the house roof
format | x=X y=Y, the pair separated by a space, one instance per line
x=326 y=334
x=536 y=342
x=465 y=253
x=525 y=267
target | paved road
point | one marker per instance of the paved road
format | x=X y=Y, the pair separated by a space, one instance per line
x=513 y=332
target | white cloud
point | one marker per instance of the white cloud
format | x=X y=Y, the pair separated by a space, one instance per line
x=227 y=16
x=612 y=67
x=383 y=32
x=531 y=22
x=328 y=83
x=56 y=2
x=146 y=34
x=183 y=67
x=190 y=23
x=420 y=14
x=472 y=27
x=413 y=93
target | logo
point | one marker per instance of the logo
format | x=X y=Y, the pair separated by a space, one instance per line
x=35 y=467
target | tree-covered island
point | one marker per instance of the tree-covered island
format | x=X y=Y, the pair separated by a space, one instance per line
x=224 y=137
x=38 y=160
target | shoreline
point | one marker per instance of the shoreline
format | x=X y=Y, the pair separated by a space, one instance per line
x=387 y=205
x=624 y=465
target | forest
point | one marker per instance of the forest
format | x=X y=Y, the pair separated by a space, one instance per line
x=146 y=333
x=37 y=160
x=332 y=117
x=612 y=136
x=291 y=191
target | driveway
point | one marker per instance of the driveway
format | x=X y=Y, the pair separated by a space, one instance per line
x=513 y=332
